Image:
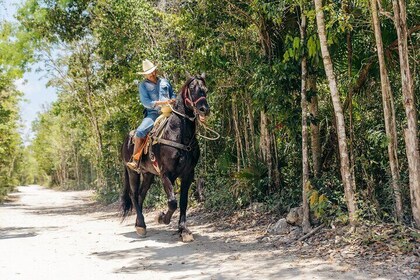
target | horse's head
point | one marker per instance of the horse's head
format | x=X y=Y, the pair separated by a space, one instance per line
x=194 y=94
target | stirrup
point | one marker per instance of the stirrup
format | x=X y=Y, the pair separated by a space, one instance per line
x=133 y=165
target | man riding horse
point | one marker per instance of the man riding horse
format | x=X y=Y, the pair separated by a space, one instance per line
x=154 y=92
x=172 y=153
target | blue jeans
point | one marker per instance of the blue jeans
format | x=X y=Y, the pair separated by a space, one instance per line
x=147 y=123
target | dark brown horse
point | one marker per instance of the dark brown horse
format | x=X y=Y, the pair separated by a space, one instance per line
x=176 y=154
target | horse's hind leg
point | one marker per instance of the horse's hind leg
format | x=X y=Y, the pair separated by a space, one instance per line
x=183 y=204
x=146 y=182
x=137 y=195
x=172 y=203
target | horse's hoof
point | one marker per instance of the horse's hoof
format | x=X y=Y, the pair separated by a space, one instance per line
x=187 y=237
x=159 y=218
x=141 y=231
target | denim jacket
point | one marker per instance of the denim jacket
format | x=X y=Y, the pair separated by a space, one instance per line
x=150 y=93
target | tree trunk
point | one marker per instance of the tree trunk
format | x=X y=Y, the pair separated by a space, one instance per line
x=389 y=114
x=306 y=226
x=350 y=97
x=245 y=132
x=315 y=135
x=251 y=126
x=275 y=161
x=239 y=149
x=411 y=138
x=411 y=132
x=265 y=144
x=338 y=111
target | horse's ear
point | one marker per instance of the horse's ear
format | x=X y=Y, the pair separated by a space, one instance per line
x=203 y=75
x=189 y=76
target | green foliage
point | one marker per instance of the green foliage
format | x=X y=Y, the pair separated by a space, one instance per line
x=15 y=53
x=326 y=205
x=251 y=53
x=217 y=194
x=10 y=141
x=251 y=184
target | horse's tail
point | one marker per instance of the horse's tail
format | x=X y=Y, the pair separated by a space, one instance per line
x=126 y=204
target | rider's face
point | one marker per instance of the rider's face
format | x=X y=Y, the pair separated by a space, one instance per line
x=152 y=76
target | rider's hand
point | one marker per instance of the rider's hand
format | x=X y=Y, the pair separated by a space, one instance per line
x=165 y=102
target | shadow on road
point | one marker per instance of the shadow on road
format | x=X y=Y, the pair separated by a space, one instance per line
x=22 y=232
x=76 y=209
x=206 y=257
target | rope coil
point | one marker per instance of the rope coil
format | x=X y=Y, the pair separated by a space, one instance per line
x=201 y=123
x=209 y=129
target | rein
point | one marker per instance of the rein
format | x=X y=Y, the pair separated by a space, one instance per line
x=209 y=129
x=186 y=96
x=183 y=115
x=199 y=122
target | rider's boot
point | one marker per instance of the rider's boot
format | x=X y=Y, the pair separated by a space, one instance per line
x=134 y=163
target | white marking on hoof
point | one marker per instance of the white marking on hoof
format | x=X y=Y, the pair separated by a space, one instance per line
x=141 y=231
x=187 y=237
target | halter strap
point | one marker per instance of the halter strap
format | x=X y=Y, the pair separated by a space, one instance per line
x=186 y=95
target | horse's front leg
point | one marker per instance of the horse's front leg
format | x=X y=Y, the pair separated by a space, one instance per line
x=168 y=184
x=183 y=204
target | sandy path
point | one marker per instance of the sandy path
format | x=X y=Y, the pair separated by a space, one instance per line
x=46 y=234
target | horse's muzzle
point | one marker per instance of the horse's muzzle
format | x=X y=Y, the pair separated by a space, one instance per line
x=204 y=110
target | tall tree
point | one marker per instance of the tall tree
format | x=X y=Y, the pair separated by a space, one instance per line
x=338 y=111
x=346 y=7
x=389 y=113
x=304 y=107
x=411 y=132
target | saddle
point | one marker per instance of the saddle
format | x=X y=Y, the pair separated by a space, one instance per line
x=152 y=137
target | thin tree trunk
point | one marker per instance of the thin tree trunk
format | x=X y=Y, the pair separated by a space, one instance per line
x=341 y=129
x=411 y=132
x=389 y=114
x=276 y=171
x=315 y=135
x=306 y=226
x=245 y=131
x=11 y=167
x=350 y=98
x=251 y=126
x=239 y=149
x=265 y=144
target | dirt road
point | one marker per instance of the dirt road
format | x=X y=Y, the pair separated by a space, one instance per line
x=46 y=234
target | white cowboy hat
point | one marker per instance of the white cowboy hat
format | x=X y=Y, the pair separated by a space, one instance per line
x=148 y=67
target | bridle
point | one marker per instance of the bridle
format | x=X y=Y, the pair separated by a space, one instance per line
x=188 y=102
x=186 y=96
